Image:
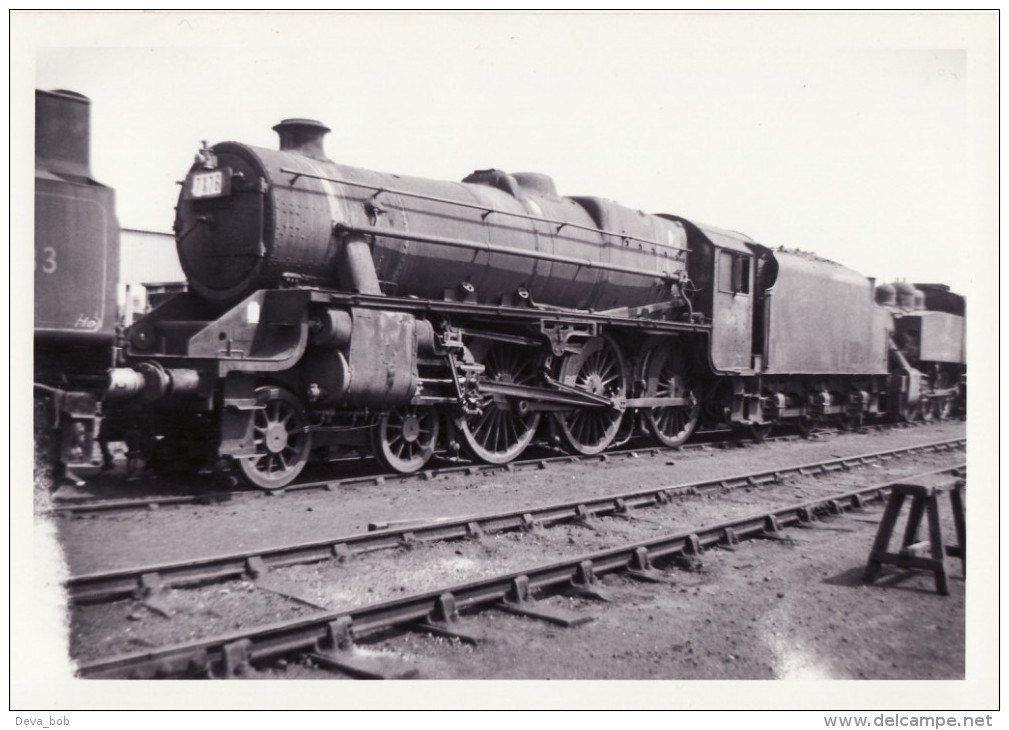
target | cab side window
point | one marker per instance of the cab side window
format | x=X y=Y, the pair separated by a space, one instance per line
x=733 y=273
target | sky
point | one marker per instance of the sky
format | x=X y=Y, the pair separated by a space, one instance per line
x=855 y=137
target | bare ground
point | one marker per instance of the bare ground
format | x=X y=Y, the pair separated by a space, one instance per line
x=770 y=609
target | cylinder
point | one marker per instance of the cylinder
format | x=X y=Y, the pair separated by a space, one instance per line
x=327 y=377
x=425 y=338
x=335 y=326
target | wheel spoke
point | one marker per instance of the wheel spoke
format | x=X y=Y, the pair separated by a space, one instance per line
x=600 y=370
x=524 y=373
x=513 y=435
x=279 y=438
x=498 y=433
x=665 y=376
x=483 y=423
x=404 y=439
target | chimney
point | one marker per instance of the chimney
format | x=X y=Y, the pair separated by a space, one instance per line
x=303 y=136
x=63 y=132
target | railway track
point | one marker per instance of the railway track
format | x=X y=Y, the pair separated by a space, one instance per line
x=139 y=580
x=86 y=505
x=327 y=637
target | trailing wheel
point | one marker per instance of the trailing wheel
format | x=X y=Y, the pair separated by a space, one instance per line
x=598 y=369
x=910 y=412
x=759 y=431
x=282 y=440
x=804 y=423
x=943 y=408
x=404 y=439
x=850 y=422
x=665 y=376
x=501 y=431
x=943 y=405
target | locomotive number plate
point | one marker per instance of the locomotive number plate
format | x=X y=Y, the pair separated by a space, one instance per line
x=210 y=184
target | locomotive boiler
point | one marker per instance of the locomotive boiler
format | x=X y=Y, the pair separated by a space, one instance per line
x=76 y=272
x=334 y=307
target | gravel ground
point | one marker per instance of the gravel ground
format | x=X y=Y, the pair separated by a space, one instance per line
x=768 y=610
x=105 y=542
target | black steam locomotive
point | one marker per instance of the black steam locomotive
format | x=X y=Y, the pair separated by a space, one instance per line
x=332 y=307
x=76 y=272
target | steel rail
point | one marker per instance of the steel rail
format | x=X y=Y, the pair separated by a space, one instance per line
x=328 y=629
x=540 y=462
x=104 y=586
x=112 y=505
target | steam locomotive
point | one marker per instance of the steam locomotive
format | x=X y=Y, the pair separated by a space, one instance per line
x=332 y=308
x=76 y=271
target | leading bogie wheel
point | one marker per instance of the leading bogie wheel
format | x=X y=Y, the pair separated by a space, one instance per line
x=404 y=438
x=281 y=437
x=499 y=432
x=598 y=369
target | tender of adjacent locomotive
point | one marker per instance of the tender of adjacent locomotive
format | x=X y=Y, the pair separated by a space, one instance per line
x=332 y=307
x=76 y=271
